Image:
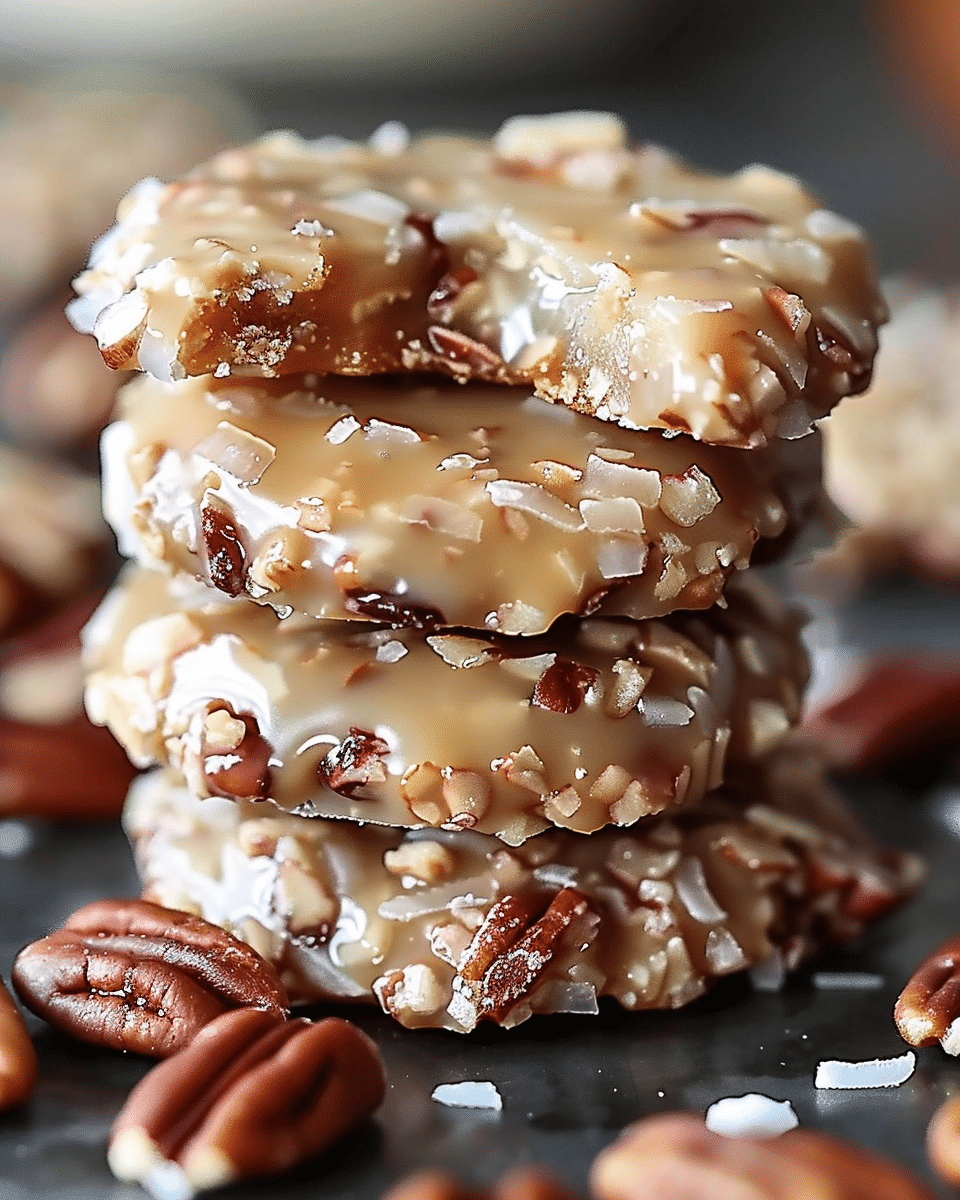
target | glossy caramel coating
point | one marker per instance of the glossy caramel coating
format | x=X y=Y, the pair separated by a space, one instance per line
x=602 y=720
x=453 y=928
x=615 y=280
x=435 y=504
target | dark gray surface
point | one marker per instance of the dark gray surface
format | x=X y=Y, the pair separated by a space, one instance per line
x=568 y=1085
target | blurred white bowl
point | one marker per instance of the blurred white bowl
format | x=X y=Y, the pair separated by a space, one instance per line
x=337 y=39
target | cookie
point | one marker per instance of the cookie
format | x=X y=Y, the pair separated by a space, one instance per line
x=602 y=720
x=890 y=456
x=435 y=504
x=452 y=928
x=618 y=281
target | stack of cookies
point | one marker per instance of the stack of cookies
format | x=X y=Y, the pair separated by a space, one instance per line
x=440 y=477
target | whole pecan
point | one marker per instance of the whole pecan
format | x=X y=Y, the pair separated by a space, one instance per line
x=929 y=1005
x=68 y=771
x=18 y=1059
x=897 y=708
x=943 y=1141
x=525 y=1183
x=134 y=976
x=675 y=1157
x=53 y=761
x=249 y=1096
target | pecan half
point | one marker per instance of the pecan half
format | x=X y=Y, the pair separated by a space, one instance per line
x=249 y=1096
x=354 y=763
x=18 y=1059
x=510 y=951
x=53 y=761
x=69 y=771
x=525 y=1183
x=675 y=1156
x=897 y=708
x=134 y=976
x=929 y=1006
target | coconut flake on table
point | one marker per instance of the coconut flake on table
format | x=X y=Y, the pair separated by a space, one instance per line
x=471 y=1093
x=871 y=1073
x=752 y=1115
x=847 y=981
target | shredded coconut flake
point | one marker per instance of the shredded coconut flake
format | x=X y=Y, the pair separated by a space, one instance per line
x=752 y=1115
x=871 y=1073
x=470 y=1093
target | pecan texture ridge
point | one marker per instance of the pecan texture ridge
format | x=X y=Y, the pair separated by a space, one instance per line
x=510 y=951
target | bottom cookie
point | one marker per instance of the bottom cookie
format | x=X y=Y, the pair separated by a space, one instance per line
x=447 y=929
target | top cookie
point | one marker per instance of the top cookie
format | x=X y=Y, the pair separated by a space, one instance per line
x=615 y=280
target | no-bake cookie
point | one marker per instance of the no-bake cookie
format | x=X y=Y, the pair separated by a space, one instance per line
x=430 y=505
x=602 y=720
x=453 y=928
x=613 y=279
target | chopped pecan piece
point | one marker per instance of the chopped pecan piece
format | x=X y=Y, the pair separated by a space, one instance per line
x=929 y=1005
x=391 y=610
x=249 y=1096
x=562 y=686
x=353 y=764
x=438 y=258
x=134 y=976
x=835 y=347
x=463 y=351
x=789 y=307
x=446 y=291
x=511 y=950
x=224 y=553
x=241 y=771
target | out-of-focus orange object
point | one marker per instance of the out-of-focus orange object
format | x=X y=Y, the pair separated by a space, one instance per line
x=924 y=38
